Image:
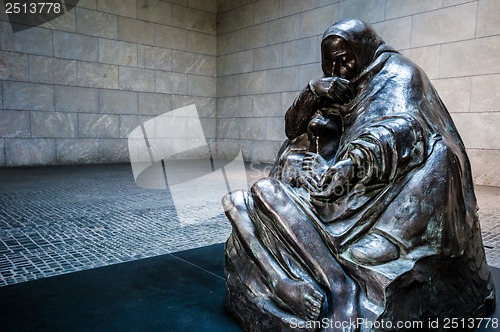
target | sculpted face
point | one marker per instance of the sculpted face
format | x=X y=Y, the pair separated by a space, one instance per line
x=338 y=58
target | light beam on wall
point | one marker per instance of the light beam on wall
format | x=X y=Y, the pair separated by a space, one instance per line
x=171 y=152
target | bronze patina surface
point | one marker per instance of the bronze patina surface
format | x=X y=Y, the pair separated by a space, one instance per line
x=369 y=213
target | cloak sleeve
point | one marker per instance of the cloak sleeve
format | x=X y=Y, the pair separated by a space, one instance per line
x=300 y=113
x=386 y=149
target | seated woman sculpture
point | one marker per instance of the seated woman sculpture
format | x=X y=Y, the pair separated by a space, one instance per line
x=369 y=214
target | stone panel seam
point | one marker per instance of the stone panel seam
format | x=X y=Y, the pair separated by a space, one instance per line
x=112 y=39
x=30 y=124
x=470 y=91
x=78 y=135
x=140 y=20
x=481 y=149
x=275 y=19
x=4 y=153
x=137 y=111
x=198 y=9
x=52 y=37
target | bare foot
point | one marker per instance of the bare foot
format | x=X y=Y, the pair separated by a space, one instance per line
x=303 y=299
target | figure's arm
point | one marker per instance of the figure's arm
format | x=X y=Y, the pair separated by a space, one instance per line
x=367 y=161
x=387 y=149
x=318 y=93
x=379 y=154
x=300 y=112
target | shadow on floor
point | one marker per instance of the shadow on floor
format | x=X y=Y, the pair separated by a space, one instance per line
x=183 y=291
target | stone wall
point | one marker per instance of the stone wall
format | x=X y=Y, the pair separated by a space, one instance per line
x=268 y=50
x=74 y=87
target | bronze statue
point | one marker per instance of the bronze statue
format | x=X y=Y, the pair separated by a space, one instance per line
x=368 y=216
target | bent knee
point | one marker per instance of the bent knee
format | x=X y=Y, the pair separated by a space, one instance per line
x=233 y=199
x=267 y=190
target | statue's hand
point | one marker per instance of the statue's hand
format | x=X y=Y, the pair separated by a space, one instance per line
x=314 y=171
x=314 y=165
x=333 y=183
x=338 y=90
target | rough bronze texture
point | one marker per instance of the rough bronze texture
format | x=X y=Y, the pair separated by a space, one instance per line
x=369 y=215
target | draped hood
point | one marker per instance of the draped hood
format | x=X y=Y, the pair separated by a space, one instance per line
x=363 y=40
x=390 y=130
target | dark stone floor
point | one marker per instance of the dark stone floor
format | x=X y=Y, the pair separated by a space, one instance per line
x=182 y=291
x=174 y=292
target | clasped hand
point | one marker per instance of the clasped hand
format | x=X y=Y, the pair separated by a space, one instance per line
x=339 y=90
x=325 y=182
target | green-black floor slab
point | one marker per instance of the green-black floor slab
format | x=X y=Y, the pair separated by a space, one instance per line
x=183 y=291
x=210 y=259
x=164 y=293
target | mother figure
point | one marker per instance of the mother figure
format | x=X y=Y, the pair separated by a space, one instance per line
x=369 y=215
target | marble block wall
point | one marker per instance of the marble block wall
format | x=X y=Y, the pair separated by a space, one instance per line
x=268 y=50
x=73 y=89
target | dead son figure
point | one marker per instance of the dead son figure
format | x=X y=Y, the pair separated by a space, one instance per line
x=369 y=213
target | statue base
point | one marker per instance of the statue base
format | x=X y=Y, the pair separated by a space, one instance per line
x=434 y=290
